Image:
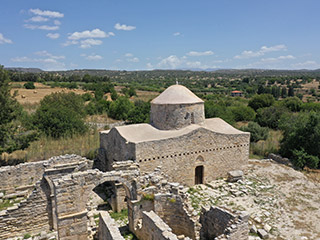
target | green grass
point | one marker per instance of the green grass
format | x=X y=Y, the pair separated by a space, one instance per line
x=123 y=215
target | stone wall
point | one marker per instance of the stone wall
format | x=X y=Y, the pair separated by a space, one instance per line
x=170 y=208
x=25 y=174
x=108 y=229
x=217 y=153
x=220 y=223
x=29 y=216
x=153 y=227
x=176 y=116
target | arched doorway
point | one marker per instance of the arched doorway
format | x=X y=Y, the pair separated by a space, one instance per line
x=198 y=177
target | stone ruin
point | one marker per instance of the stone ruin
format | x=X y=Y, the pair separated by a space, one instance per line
x=50 y=199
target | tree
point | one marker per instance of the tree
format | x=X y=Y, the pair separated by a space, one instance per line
x=120 y=108
x=243 y=113
x=284 y=92
x=60 y=115
x=261 y=101
x=256 y=131
x=301 y=138
x=291 y=91
x=140 y=112
x=269 y=117
x=29 y=85
x=10 y=111
x=293 y=104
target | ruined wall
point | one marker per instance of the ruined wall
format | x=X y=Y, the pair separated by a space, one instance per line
x=176 y=116
x=108 y=229
x=170 y=208
x=217 y=153
x=117 y=149
x=25 y=174
x=29 y=216
x=218 y=222
x=153 y=227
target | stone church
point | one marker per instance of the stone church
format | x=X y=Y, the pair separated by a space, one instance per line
x=189 y=148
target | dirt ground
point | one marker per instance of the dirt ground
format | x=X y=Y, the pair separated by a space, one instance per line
x=278 y=198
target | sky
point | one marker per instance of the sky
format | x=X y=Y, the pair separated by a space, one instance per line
x=167 y=34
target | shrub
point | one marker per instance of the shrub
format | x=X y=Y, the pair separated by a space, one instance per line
x=269 y=117
x=29 y=85
x=60 y=114
x=300 y=159
x=120 y=108
x=140 y=112
x=257 y=132
x=243 y=113
x=293 y=104
x=261 y=101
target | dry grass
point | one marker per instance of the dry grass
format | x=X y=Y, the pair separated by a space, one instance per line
x=312 y=174
x=271 y=145
x=34 y=96
x=47 y=147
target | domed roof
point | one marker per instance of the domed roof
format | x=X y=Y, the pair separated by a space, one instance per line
x=176 y=94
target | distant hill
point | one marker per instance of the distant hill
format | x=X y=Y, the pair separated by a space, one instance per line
x=24 y=70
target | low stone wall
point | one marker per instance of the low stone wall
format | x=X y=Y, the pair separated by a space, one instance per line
x=29 y=216
x=218 y=223
x=279 y=159
x=24 y=174
x=170 y=208
x=108 y=229
x=153 y=227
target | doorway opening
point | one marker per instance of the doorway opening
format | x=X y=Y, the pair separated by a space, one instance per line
x=198 y=175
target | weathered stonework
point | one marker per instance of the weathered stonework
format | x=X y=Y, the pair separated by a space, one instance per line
x=108 y=229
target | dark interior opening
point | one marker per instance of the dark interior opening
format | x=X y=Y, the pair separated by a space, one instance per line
x=199 y=175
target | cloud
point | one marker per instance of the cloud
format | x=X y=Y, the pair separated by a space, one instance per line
x=170 y=62
x=41 y=27
x=124 y=27
x=4 y=40
x=128 y=55
x=94 y=57
x=277 y=59
x=198 y=54
x=53 y=35
x=38 y=19
x=47 y=54
x=135 y=59
x=48 y=60
x=46 y=13
x=68 y=43
x=57 y=22
x=307 y=65
x=263 y=50
x=88 y=43
x=149 y=66
x=176 y=34
x=95 y=33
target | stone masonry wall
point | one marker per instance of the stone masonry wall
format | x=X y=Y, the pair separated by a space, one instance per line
x=29 y=173
x=170 y=209
x=153 y=227
x=30 y=216
x=176 y=116
x=220 y=223
x=217 y=153
x=108 y=229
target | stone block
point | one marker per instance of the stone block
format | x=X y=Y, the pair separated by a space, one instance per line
x=234 y=176
x=263 y=234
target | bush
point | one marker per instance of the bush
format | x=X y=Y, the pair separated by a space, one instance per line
x=301 y=138
x=213 y=109
x=293 y=104
x=60 y=114
x=243 y=113
x=120 y=108
x=256 y=131
x=269 y=117
x=29 y=85
x=261 y=101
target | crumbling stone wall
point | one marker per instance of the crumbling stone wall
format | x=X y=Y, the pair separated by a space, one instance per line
x=29 y=216
x=108 y=229
x=29 y=173
x=170 y=209
x=153 y=227
x=221 y=224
